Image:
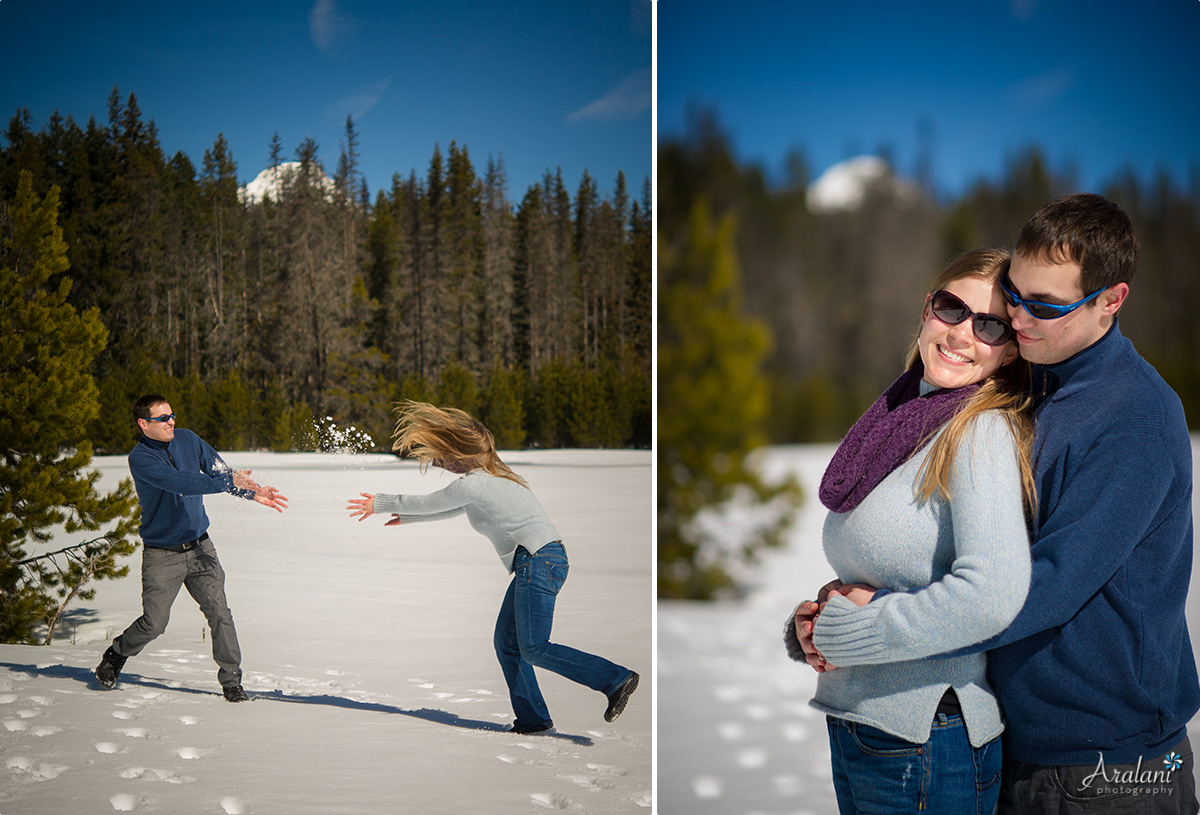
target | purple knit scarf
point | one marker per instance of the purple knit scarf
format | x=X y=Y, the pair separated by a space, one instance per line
x=889 y=432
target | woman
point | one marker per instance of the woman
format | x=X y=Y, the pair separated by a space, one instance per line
x=499 y=504
x=928 y=494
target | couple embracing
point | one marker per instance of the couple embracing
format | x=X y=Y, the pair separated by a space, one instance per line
x=1011 y=526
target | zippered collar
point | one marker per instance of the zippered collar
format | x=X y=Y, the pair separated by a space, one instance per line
x=154 y=444
x=1085 y=368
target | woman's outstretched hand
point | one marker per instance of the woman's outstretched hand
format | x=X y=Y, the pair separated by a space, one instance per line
x=363 y=508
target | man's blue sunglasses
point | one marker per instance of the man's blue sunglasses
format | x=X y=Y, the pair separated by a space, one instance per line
x=1040 y=310
x=163 y=419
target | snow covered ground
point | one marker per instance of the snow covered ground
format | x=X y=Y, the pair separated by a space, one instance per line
x=735 y=733
x=367 y=651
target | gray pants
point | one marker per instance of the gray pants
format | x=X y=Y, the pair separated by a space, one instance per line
x=200 y=571
x=1162 y=785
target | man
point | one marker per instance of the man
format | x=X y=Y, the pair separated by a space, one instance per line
x=173 y=469
x=1096 y=675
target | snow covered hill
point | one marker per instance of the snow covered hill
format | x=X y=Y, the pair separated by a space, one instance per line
x=270 y=183
x=368 y=654
x=845 y=185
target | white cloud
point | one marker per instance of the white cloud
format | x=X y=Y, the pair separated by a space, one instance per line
x=359 y=103
x=628 y=99
x=326 y=25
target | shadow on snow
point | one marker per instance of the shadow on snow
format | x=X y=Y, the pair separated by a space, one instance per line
x=442 y=717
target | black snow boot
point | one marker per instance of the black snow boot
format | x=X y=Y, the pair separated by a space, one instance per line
x=235 y=693
x=109 y=669
x=618 y=698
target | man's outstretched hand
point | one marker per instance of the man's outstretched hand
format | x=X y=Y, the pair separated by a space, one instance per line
x=270 y=497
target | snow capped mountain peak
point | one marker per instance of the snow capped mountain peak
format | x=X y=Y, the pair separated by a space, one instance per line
x=270 y=182
x=844 y=186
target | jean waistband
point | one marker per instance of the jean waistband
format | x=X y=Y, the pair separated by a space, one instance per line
x=183 y=547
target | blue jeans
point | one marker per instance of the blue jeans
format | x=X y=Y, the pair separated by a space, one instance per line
x=522 y=637
x=877 y=773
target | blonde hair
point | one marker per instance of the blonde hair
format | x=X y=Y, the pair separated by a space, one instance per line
x=444 y=435
x=1007 y=391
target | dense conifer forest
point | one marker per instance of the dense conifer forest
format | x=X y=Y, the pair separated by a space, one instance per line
x=265 y=321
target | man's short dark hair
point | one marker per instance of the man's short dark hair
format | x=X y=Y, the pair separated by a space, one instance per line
x=142 y=407
x=1085 y=229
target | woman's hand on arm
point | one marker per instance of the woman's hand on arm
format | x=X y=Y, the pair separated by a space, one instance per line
x=858 y=593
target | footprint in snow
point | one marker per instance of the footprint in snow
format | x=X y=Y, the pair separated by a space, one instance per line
x=16 y=725
x=109 y=747
x=514 y=760
x=45 y=730
x=35 y=770
x=551 y=801
x=133 y=732
x=234 y=806
x=122 y=714
x=125 y=802
x=191 y=753
x=189 y=720
x=167 y=776
x=605 y=769
x=708 y=787
x=7 y=698
x=589 y=782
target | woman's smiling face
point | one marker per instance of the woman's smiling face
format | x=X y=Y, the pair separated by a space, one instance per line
x=953 y=356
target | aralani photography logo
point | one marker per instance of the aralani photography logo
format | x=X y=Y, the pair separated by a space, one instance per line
x=1134 y=780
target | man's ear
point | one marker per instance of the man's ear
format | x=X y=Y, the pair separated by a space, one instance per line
x=1113 y=298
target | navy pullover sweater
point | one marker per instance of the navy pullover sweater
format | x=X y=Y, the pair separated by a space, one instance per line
x=1099 y=659
x=171 y=479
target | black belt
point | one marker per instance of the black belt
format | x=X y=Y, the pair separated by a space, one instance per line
x=185 y=546
x=949 y=705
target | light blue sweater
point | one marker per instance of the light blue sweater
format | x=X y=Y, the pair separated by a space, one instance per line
x=506 y=513
x=973 y=555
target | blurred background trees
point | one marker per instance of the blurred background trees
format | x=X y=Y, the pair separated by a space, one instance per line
x=837 y=288
x=840 y=289
x=713 y=403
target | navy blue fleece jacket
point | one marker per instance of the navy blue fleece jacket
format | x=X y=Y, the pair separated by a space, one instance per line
x=172 y=479
x=1099 y=660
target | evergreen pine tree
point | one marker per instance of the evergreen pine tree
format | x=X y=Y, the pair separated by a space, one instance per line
x=457 y=388
x=503 y=410
x=713 y=402
x=47 y=398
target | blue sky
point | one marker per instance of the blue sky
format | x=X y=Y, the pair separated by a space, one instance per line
x=541 y=84
x=1100 y=85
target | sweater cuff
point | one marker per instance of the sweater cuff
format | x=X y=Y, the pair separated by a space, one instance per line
x=847 y=634
x=387 y=504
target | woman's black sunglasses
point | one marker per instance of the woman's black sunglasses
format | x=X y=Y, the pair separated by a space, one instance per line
x=989 y=329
